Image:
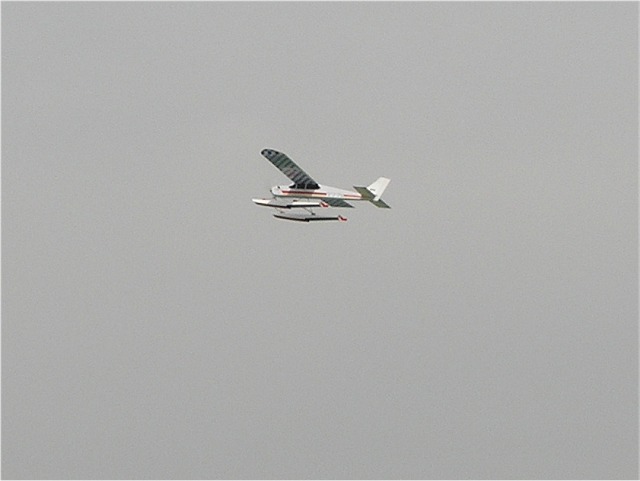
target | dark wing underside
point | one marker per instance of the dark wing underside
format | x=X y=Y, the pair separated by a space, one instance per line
x=289 y=168
x=337 y=203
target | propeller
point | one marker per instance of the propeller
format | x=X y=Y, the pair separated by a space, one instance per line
x=267 y=188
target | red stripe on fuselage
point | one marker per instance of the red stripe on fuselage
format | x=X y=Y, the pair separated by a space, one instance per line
x=307 y=193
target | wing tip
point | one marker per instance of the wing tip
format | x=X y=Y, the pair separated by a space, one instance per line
x=268 y=153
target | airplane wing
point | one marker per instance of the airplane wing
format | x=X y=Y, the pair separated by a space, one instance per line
x=337 y=203
x=289 y=168
x=380 y=203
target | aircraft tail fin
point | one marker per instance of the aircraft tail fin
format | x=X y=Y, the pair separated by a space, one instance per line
x=373 y=192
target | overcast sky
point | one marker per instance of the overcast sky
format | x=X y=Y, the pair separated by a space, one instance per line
x=157 y=324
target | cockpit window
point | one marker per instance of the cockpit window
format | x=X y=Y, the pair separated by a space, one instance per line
x=308 y=186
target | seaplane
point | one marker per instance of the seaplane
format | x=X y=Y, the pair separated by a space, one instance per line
x=299 y=201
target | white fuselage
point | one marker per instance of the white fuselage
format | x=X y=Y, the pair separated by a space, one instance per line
x=322 y=192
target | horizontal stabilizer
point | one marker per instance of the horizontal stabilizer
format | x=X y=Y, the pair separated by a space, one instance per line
x=381 y=203
x=373 y=192
x=364 y=192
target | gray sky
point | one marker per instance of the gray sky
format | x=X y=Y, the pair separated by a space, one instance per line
x=156 y=324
